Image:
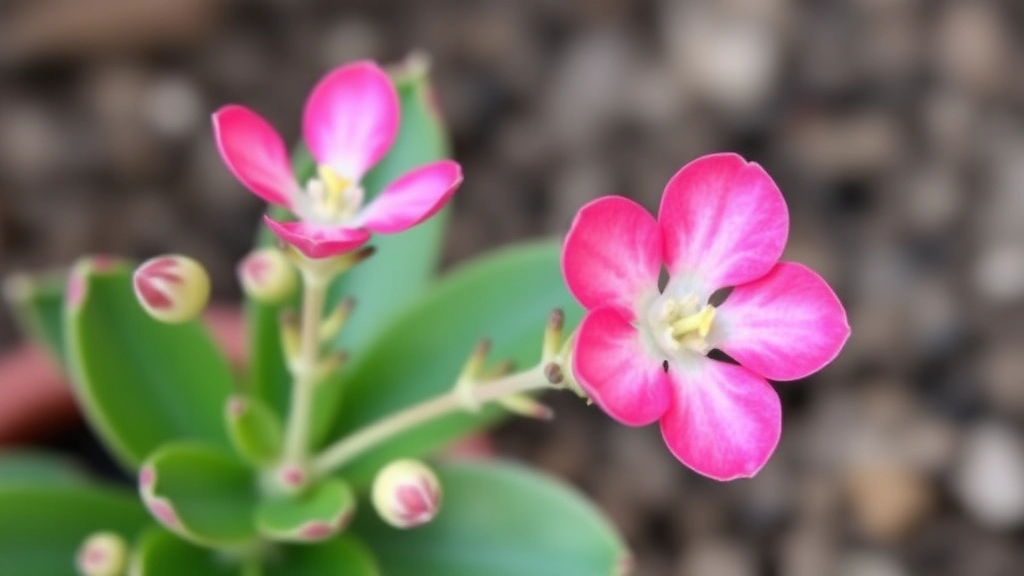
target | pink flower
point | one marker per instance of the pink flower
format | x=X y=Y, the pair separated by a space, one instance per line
x=350 y=121
x=641 y=352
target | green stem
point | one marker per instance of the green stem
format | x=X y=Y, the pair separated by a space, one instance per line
x=346 y=449
x=300 y=413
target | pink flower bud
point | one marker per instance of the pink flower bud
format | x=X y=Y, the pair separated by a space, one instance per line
x=406 y=494
x=267 y=276
x=102 y=554
x=172 y=289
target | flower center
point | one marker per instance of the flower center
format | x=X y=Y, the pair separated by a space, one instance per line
x=332 y=197
x=681 y=325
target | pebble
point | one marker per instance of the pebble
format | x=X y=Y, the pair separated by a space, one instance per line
x=989 y=476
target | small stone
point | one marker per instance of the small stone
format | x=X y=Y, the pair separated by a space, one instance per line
x=889 y=501
x=989 y=477
x=972 y=45
x=717 y=557
x=999 y=272
x=174 y=107
x=729 y=58
x=870 y=564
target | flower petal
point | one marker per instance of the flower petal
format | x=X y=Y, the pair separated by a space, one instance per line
x=724 y=221
x=784 y=326
x=318 y=241
x=612 y=255
x=351 y=118
x=412 y=198
x=725 y=421
x=255 y=154
x=612 y=365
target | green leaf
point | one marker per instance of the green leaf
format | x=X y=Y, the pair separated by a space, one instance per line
x=201 y=494
x=318 y=513
x=160 y=553
x=505 y=296
x=255 y=430
x=41 y=527
x=141 y=382
x=340 y=556
x=38 y=304
x=31 y=468
x=501 y=520
x=403 y=266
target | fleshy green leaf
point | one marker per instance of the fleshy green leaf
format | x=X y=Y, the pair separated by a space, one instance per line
x=30 y=468
x=142 y=383
x=160 y=553
x=340 y=556
x=38 y=304
x=399 y=272
x=501 y=520
x=255 y=429
x=41 y=527
x=318 y=513
x=505 y=296
x=200 y=493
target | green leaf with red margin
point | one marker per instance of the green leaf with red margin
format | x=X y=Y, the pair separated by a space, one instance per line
x=141 y=383
x=201 y=493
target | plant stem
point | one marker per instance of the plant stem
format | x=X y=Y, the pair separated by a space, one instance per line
x=300 y=413
x=362 y=440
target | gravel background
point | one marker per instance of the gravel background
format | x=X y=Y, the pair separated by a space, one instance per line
x=894 y=127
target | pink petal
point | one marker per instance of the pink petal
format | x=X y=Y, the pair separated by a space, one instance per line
x=612 y=255
x=784 y=326
x=255 y=154
x=724 y=221
x=412 y=198
x=318 y=241
x=351 y=118
x=615 y=369
x=724 y=422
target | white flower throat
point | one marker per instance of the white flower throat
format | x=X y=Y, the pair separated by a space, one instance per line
x=331 y=198
x=680 y=326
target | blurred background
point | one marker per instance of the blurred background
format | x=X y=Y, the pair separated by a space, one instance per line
x=895 y=128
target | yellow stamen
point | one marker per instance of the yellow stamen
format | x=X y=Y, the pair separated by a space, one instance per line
x=336 y=186
x=699 y=322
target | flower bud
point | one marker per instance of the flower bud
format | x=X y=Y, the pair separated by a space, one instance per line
x=172 y=289
x=268 y=276
x=102 y=554
x=406 y=494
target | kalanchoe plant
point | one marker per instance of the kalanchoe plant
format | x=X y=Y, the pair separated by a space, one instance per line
x=316 y=459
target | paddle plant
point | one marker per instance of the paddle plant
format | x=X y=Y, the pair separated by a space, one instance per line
x=319 y=457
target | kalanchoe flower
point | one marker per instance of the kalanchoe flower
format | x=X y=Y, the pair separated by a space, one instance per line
x=642 y=353
x=268 y=276
x=350 y=121
x=406 y=493
x=172 y=288
x=102 y=554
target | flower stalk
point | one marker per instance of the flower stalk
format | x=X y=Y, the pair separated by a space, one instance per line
x=456 y=400
x=304 y=370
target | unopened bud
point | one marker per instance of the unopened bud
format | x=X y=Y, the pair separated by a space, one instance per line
x=102 y=554
x=553 y=334
x=406 y=494
x=172 y=289
x=268 y=276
